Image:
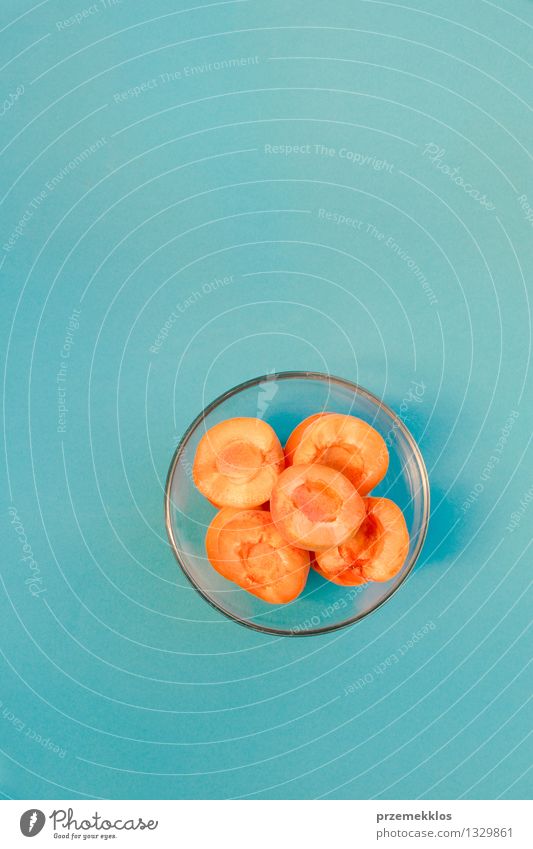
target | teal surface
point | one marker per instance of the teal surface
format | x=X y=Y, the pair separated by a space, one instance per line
x=193 y=195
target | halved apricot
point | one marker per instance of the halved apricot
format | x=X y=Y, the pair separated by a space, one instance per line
x=347 y=444
x=315 y=507
x=376 y=552
x=296 y=436
x=245 y=547
x=237 y=463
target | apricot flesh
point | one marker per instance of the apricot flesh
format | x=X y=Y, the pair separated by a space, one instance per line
x=237 y=462
x=375 y=552
x=315 y=507
x=245 y=547
x=347 y=444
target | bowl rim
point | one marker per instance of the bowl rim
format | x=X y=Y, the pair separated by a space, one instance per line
x=302 y=375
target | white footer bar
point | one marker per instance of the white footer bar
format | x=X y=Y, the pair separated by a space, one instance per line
x=268 y=824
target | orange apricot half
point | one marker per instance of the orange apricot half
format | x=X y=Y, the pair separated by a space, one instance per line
x=315 y=507
x=347 y=444
x=296 y=436
x=376 y=552
x=237 y=463
x=245 y=547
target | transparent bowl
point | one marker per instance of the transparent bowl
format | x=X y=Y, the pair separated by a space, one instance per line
x=283 y=400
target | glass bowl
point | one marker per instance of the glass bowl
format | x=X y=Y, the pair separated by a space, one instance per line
x=283 y=400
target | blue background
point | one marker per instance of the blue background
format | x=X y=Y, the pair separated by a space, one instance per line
x=109 y=655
